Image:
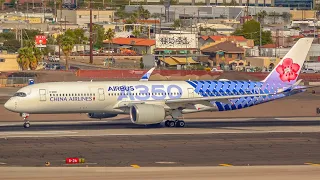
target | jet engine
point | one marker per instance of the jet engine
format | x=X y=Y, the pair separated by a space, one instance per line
x=147 y=114
x=101 y=115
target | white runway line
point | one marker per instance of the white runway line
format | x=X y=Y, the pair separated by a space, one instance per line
x=2 y=163
x=166 y=162
x=40 y=132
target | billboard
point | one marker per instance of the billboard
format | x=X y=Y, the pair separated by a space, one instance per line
x=41 y=41
x=181 y=41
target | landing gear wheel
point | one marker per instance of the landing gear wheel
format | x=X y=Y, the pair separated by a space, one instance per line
x=166 y=123
x=180 y=123
x=26 y=125
x=172 y=124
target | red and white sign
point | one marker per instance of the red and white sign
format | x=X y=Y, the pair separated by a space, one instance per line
x=72 y=160
x=41 y=41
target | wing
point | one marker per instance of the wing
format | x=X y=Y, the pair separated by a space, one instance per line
x=184 y=102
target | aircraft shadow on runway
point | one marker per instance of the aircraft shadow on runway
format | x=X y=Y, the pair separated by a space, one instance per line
x=126 y=124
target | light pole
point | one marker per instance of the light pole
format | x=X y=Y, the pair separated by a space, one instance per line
x=91 y=48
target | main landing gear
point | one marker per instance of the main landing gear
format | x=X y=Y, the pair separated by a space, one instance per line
x=175 y=123
x=26 y=123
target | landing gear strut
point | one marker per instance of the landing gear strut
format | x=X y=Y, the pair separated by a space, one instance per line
x=26 y=123
x=175 y=123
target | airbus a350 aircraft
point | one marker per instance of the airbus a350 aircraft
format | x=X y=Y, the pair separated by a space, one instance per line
x=150 y=102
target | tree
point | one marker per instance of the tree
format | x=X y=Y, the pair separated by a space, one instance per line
x=109 y=36
x=36 y=54
x=11 y=45
x=67 y=44
x=136 y=33
x=251 y=30
x=98 y=36
x=286 y=16
x=80 y=37
x=176 y=23
x=24 y=57
x=261 y=15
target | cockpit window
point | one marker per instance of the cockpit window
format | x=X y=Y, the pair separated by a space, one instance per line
x=20 y=94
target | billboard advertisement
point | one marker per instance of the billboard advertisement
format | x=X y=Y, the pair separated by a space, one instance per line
x=41 y=41
x=182 y=41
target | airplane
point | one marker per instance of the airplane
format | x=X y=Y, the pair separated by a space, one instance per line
x=150 y=102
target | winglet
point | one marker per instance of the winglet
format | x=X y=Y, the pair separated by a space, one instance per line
x=31 y=81
x=147 y=75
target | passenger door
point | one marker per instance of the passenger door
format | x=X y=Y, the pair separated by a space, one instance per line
x=43 y=94
x=101 y=95
x=190 y=92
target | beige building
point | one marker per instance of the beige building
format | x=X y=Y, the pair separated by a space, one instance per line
x=82 y=17
x=262 y=62
x=303 y=14
x=8 y=62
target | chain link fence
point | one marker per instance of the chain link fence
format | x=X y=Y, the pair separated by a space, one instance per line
x=14 y=81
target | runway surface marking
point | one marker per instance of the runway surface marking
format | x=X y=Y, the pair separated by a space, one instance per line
x=313 y=164
x=135 y=166
x=2 y=163
x=166 y=162
x=226 y=165
x=158 y=131
x=104 y=121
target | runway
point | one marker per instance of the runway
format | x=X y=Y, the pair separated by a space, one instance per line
x=239 y=142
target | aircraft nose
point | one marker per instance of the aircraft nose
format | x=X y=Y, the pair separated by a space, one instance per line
x=9 y=105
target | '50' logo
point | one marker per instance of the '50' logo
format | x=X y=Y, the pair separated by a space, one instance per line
x=156 y=92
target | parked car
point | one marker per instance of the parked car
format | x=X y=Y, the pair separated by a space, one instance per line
x=308 y=70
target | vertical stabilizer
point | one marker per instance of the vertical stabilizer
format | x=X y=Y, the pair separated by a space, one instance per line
x=288 y=69
x=147 y=75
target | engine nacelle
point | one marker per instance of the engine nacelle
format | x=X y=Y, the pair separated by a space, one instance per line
x=147 y=114
x=101 y=115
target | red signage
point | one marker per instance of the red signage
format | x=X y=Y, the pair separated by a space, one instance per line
x=72 y=160
x=41 y=40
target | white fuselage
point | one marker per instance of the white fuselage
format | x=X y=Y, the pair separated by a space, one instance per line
x=85 y=97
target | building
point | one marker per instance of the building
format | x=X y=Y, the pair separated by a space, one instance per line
x=295 y=4
x=137 y=46
x=8 y=62
x=220 y=54
x=264 y=63
x=206 y=13
x=82 y=17
x=207 y=41
x=221 y=29
x=210 y=2
x=176 y=43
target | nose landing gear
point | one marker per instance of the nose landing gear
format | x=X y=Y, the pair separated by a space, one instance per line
x=26 y=123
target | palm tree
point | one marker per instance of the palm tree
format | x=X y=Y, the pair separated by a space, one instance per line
x=109 y=36
x=261 y=15
x=2 y=4
x=37 y=53
x=67 y=44
x=25 y=55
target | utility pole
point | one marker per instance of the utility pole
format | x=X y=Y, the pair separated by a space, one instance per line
x=260 y=40
x=59 y=43
x=91 y=48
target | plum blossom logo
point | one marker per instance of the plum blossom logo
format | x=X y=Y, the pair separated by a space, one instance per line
x=288 y=70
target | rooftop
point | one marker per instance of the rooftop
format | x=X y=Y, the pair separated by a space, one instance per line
x=132 y=41
x=226 y=46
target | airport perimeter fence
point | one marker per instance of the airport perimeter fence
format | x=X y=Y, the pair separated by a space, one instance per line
x=136 y=74
x=14 y=81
